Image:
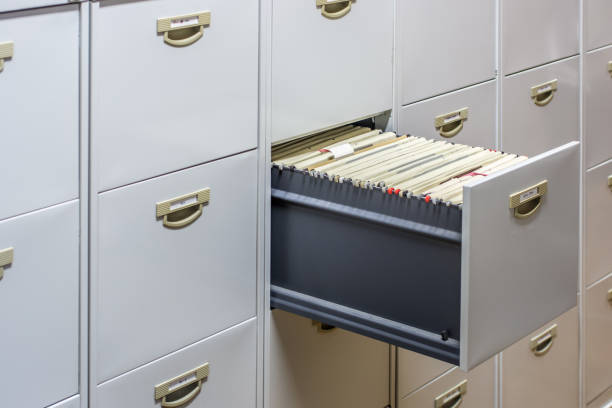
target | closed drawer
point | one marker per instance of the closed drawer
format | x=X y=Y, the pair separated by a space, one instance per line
x=311 y=367
x=598 y=223
x=542 y=369
x=40 y=108
x=597 y=102
x=415 y=370
x=217 y=372
x=162 y=286
x=537 y=32
x=603 y=401
x=436 y=34
x=322 y=75
x=540 y=108
x=598 y=317
x=597 y=29
x=8 y=5
x=475 y=389
x=476 y=127
x=39 y=294
x=165 y=103
x=72 y=402
x=450 y=288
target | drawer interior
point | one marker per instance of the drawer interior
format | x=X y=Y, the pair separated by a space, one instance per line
x=381 y=258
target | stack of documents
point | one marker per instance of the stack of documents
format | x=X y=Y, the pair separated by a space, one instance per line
x=401 y=165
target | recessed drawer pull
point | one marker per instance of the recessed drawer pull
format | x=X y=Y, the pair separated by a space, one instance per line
x=184 y=30
x=6 y=51
x=453 y=397
x=323 y=327
x=610 y=67
x=526 y=202
x=181 y=211
x=450 y=124
x=543 y=342
x=6 y=258
x=183 y=388
x=610 y=295
x=334 y=8
x=542 y=94
x=610 y=182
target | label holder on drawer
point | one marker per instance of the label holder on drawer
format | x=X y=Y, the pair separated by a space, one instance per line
x=181 y=382
x=6 y=258
x=451 y=123
x=542 y=94
x=186 y=208
x=453 y=397
x=184 y=30
x=6 y=51
x=526 y=202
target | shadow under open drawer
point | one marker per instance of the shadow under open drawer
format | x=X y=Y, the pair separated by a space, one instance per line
x=458 y=283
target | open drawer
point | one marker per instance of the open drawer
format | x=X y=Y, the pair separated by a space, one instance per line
x=455 y=282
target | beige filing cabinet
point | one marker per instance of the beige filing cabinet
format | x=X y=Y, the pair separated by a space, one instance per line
x=312 y=367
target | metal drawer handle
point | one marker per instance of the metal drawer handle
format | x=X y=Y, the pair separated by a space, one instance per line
x=610 y=295
x=6 y=258
x=610 y=67
x=450 y=124
x=334 y=8
x=526 y=202
x=542 y=94
x=6 y=51
x=184 y=30
x=610 y=182
x=542 y=343
x=179 y=387
x=181 y=211
x=453 y=397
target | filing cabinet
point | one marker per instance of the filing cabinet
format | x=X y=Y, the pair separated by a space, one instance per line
x=541 y=370
x=466 y=116
x=219 y=371
x=603 y=401
x=167 y=77
x=455 y=52
x=540 y=108
x=597 y=102
x=415 y=370
x=536 y=32
x=39 y=82
x=315 y=366
x=597 y=29
x=598 y=322
x=598 y=225
x=321 y=54
x=475 y=389
x=176 y=261
x=39 y=297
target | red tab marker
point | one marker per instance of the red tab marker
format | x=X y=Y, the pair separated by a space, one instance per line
x=427 y=199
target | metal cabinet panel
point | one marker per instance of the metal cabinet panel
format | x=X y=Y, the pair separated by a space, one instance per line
x=39 y=297
x=415 y=370
x=603 y=401
x=40 y=107
x=598 y=224
x=230 y=380
x=598 y=322
x=160 y=286
x=535 y=124
x=326 y=71
x=310 y=368
x=444 y=46
x=597 y=101
x=72 y=402
x=541 y=370
x=478 y=129
x=158 y=107
x=11 y=5
x=537 y=32
x=597 y=27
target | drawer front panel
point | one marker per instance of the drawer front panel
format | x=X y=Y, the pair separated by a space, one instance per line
x=603 y=401
x=531 y=125
x=321 y=74
x=478 y=392
x=39 y=294
x=311 y=367
x=73 y=402
x=537 y=32
x=598 y=228
x=415 y=370
x=459 y=34
x=39 y=108
x=541 y=370
x=598 y=31
x=170 y=105
x=9 y=5
x=478 y=129
x=202 y=273
x=230 y=379
x=597 y=102
x=598 y=318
